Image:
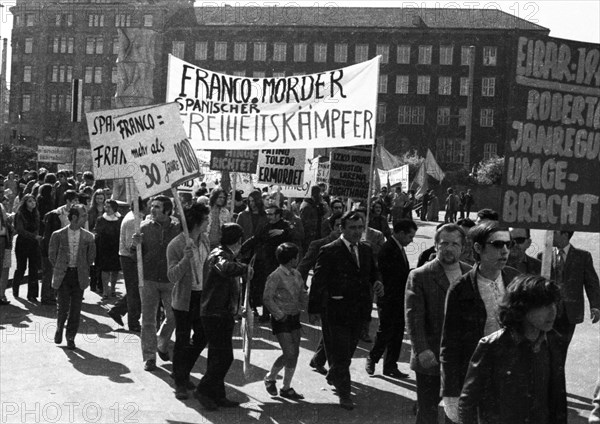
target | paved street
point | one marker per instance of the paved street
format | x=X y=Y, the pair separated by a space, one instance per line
x=103 y=381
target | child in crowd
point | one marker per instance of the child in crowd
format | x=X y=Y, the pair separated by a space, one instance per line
x=285 y=297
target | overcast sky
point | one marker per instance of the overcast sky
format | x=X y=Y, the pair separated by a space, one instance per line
x=575 y=20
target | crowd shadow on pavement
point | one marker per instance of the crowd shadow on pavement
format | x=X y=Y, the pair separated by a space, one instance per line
x=92 y=365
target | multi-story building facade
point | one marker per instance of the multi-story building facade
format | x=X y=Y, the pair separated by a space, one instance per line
x=423 y=82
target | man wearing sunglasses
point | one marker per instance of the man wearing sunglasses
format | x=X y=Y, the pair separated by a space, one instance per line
x=472 y=306
x=517 y=258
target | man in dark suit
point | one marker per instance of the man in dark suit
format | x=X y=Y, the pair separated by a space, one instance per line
x=573 y=270
x=472 y=308
x=426 y=290
x=71 y=252
x=306 y=264
x=340 y=295
x=394 y=268
x=517 y=258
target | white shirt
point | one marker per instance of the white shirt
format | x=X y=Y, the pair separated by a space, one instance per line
x=73 y=237
x=491 y=293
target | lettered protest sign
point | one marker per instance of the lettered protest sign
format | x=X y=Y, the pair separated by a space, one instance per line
x=282 y=167
x=54 y=154
x=394 y=176
x=323 y=173
x=244 y=161
x=104 y=128
x=553 y=150
x=349 y=173
x=329 y=109
x=310 y=179
x=153 y=140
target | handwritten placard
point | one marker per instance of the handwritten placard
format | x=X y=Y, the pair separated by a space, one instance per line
x=108 y=159
x=54 y=154
x=154 y=141
x=281 y=167
x=551 y=158
x=234 y=160
x=349 y=173
x=329 y=109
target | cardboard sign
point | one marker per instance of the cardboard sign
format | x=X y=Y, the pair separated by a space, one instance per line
x=551 y=169
x=349 y=173
x=153 y=140
x=310 y=179
x=108 y=160
x=234 y=160
x=323 y=174
x=329 y=109
x=394 y=176
x=281 y=167
x=54 y=154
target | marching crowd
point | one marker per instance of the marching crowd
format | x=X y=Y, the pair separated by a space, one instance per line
x=489 y=335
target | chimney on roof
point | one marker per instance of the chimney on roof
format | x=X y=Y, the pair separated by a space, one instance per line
x=418 y=22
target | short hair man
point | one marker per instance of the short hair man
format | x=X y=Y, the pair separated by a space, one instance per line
x=394 y=268
x=573 y=270
x=340 y=295
x=71 y=252
x=426 y=290
x=472 y=307
x=517 y=258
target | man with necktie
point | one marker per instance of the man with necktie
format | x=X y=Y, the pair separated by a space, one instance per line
x=394 y=267
x=573 y=270
x=340 y=295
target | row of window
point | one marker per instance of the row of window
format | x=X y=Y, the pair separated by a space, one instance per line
x=488 y=85
x=454 y=150
x=299 y=51
x=66 y=45
x=93 y=20
x=64 y=73
x=62 y=103
x=415 y=115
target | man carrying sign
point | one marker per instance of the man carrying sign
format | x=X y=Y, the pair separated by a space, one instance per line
x=153 y=238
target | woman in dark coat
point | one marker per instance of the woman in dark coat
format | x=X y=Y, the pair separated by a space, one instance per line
x=27 y=246
x=45 y=203
x=107 y=231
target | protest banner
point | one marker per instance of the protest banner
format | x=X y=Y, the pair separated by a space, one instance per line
x=154 y=142
x=330 y=109
x=349 y=173
x=281 y=167
x=234 y=160
x=553 y=146
x=310 y=179
x=55 y=154
x=394 y=176
x=104 y=129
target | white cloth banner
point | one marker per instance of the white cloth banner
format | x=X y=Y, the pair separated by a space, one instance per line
x=330 y=109
x=394 y=176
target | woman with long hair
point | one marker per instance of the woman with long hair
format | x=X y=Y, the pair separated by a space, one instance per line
x=107 y=231
x=253 y=219
x=27 y=246
x=219 y=215
x=378 y=221
x=96 y=208
x=45 y=203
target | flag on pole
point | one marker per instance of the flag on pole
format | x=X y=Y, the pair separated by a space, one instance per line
x=432 y=168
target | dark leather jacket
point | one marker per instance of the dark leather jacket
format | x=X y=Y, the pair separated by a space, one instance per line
x=221 y=289
x=499 y=389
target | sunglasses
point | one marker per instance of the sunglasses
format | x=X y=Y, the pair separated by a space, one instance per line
x=519 y=240
x=499 y=244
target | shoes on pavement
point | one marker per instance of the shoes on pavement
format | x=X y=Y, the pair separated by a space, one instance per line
x=164 y=355
x=58 y=336
x=116 y=317
x=346 y=403
x=71 y=344
x=181 y=393
x=4 y=301
x=318 y=368
x=264 y=319
x=135 y=328
x=271 y=387
x=370 y=366
x=226 y=403
x=50 y=302
x=32 y=299
x=150 y=365
x=207 y=403
x=395 y=373
x=290 y=394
